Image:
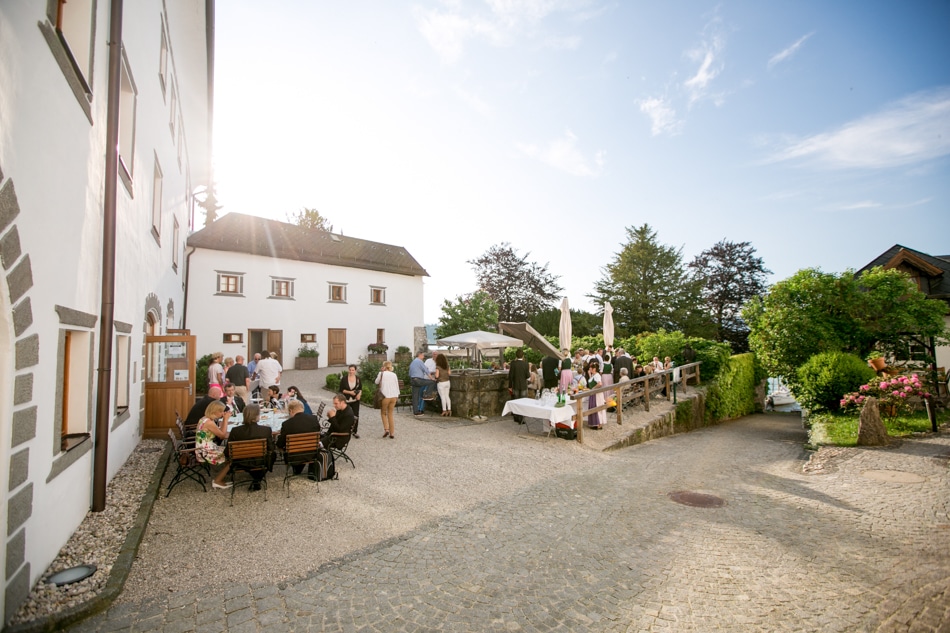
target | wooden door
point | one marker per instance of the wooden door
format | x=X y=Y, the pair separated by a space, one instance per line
x=275 y=343
x=336 y=341
x=169 y=381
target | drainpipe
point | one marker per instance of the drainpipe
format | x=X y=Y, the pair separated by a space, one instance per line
x=184 y=308
x=107 y=307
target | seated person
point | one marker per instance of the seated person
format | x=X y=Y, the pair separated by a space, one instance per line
x=340 y=417
x=209 y=428
x=198 y=410
x=232 y=402
x=298 y=422
x=251 y=430
x=272 y=397
x=294 y=394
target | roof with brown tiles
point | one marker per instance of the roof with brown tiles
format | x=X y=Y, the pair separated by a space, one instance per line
x=240 y=233
x=935 y=268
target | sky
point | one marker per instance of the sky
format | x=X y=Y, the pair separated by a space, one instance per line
x=817 y=131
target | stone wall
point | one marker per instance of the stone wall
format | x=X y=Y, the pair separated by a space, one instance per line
x=479 y=394
x=687 y=416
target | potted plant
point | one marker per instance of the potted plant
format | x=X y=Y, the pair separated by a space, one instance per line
x=402 y=354
x=377 y=351
x=876 y=360
x=307 y=357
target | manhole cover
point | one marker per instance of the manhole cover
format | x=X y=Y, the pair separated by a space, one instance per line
x=696 y=499
x=894 y=476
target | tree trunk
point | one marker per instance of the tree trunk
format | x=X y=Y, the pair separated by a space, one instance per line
x=871 y=431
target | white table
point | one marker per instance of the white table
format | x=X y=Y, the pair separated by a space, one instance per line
x=268 y=418
x=531 y=408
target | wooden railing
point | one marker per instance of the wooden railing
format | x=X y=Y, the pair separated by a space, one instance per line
x=641 y=388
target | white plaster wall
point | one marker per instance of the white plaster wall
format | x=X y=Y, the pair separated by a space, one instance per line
x=55 y=158
x=210 y=316
x=943 y=353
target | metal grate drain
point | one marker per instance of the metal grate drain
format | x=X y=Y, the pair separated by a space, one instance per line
x=696 y=499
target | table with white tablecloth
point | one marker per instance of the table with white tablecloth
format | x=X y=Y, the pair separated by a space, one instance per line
x=273 y=419
x=531 y=408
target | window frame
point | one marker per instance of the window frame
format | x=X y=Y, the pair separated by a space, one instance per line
x=372 y=295
x=335 y=284
x=123 y=377
x=232 y=337
x=309 y=337
x=277 y=283
x=176 y=242
x=128 y=106
x=163 y=55
x=239 y=277
x=78 y=76
x=158 y=179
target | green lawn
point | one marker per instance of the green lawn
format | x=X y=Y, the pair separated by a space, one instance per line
x=837 y=429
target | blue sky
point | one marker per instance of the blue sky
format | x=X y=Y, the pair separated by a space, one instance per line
x=818 y=131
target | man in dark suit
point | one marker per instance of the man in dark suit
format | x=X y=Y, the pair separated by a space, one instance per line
x=518 y=380
x=251 y=430
x=550 y=371
x=198 y=410
x=231 y=400
x=299 y=422
x=622 y=360
x=340 y=416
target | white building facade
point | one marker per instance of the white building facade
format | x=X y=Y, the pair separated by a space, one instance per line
x=256 y=284
x=54 y=198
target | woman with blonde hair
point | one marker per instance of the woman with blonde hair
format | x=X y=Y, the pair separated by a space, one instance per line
x=216 y=371
x=388 y=384
x=207 y=430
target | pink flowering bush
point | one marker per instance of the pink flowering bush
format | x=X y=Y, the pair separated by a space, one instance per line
x=893 y=394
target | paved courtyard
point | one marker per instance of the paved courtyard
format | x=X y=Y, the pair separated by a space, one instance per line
x=598 y=545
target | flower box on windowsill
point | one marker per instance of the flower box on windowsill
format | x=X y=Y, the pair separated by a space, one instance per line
x=400 y=357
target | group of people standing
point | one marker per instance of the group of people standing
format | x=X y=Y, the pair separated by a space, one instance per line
x=426 y=374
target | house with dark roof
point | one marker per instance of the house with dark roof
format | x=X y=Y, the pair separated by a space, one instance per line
x=256 y=284
x=931 y=274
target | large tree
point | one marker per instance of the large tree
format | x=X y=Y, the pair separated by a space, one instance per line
x=310 y=219
x=583 y=323
x=730 y=274
x=521 y=288
x=648 y=288
x=475 y=311
x=813 y=311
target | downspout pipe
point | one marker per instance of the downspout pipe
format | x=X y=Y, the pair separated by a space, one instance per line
x=107 y=307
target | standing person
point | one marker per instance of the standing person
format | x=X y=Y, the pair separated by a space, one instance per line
x=252 y=366
x=657 y=364
x=420 y=381
x=518 y=380
x=232 y=402
x=389 y=386
x=607 y=375
x=352 y=387
x=442 y=375
x=239 y=376
x=216 y=371
x=431 y=365
x=251 y=430
x=594 y=380
x=567 y=374
x=268 y=369
x=534 y=381
x=550 y=372
x=622 y=360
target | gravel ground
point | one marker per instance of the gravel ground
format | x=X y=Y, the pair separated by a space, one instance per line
x=98 y=539
x=436 y=468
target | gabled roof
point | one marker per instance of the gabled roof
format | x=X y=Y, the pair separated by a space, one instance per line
x=936 y=268
x=239 y=233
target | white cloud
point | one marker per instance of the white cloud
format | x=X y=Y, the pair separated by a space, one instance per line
x=562 y=153
x=662 y=116
x=864 y=204
x=912 y=130
x=448 y=28
x=475 y=102
x=709 y=56
x=788 y=52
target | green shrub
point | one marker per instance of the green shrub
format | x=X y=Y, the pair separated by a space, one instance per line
x=827 y=376
x=732 y=393
x=201 y=373
x=333 y=382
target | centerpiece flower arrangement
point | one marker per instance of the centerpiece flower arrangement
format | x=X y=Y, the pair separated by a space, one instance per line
x=893 y=394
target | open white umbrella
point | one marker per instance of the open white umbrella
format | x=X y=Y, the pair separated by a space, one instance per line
x=608 y=324
x=564 y=330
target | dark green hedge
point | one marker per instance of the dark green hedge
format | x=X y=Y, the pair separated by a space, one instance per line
x=732 y=393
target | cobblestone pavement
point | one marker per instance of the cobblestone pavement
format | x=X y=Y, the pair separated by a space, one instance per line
x=603 y=548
